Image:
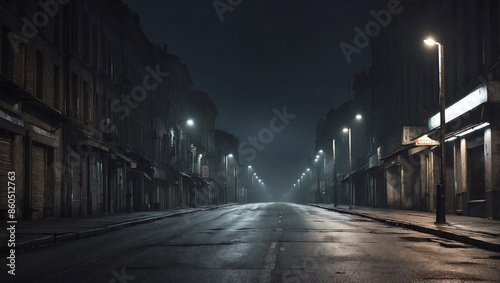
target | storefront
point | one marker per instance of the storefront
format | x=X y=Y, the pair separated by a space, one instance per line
x=472 y=161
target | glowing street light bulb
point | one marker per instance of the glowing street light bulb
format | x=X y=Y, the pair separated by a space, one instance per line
x=430 y=41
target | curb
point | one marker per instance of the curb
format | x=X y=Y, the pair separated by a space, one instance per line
x=45 y=240
x=442 y=234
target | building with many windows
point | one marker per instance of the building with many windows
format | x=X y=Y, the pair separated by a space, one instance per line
x=89 y=111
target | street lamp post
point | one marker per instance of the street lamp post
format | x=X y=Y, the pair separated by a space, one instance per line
x=348 y=130
x=308 y=184
x=298 y=187
x=252 y=191
x=351 y=188
x=323 y=155
x=335 y=189
x=227 y=177
x=178 y=154
x=248 y=181
x=236 y=183
x=441 y=187
x=318 y=189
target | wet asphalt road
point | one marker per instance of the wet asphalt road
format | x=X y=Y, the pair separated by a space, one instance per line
x=262 y=242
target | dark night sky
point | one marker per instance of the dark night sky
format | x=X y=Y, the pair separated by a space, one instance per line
x=265 y=54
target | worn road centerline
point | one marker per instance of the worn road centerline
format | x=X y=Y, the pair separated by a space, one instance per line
x=269 y=264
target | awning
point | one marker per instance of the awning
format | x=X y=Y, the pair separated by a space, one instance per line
x=77 y=137
x=30 y=101
x=185 y=175
x=11 y=122
x=141 y=174
x=200 y=181
x=354 y=173
x=396 y=152
x=160 y=173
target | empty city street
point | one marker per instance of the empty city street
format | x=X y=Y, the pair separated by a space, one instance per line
x=259 y=242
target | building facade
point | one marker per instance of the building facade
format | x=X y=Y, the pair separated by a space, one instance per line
x=89 y=110
x=402 y=166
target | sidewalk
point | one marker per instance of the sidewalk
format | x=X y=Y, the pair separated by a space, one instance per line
x=31 y=234
x=479 y=232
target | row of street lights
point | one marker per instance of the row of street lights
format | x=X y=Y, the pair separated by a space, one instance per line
x=254 y=178
x=301 y=186
x=441 y=187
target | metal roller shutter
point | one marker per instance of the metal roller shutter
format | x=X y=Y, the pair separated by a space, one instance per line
x=75 y=186
x=477 y=173
x=5 y=167
x=39 y=181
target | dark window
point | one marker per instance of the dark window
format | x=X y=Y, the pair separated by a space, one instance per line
x=74 y=25
x=114 y=56
x=94 y=45
x=104 y=54
x=56 y=86
x=57 y=30
x=86 y=35
x=108 y=109
x=494 y=7
x=39 y=75
x=466 y=58
x=22 y=64
x=74 y=95
x=108 y=66
x=7 y=55
x=86 y=110
x=477 y=173
x=95 y=106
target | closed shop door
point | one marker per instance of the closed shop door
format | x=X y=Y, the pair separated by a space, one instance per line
x=5 y=167
x=477 y=176
x=39 y=181
x=84 y=188
x=75 y=185
x=95 y=194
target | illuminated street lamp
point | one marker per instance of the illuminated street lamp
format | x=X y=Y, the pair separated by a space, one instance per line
x=348 y=131
x=178 y=129
x=318 y=156
x=227 y=175
x=248 y=191
x=335 y=188
x=441 y=187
